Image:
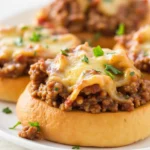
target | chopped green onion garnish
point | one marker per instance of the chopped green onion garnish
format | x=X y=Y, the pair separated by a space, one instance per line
x=112 y=69
x=35 y=124
x=132 y=73
x=56 y=89
x=66 y=49
x=85 y=59
x=64 y=52
x=121 y=29
x=98 y=51
x=19 y=41
x=17 y=124
x=76 y=147
x=109 y=74
x=7 y=110
x=35 y=37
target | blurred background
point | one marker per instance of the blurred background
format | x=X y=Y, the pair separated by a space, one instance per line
x=10 y=7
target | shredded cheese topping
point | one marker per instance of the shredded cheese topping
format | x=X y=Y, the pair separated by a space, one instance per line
x=140 y=43
x=74 y=73
x=32 y=41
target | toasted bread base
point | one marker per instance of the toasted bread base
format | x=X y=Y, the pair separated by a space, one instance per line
x=103 y=41
x=11 y=88
x=146 y=76
x=85 y=129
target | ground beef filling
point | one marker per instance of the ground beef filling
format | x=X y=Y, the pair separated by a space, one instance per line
x=143 y=64
x=30 y=133
x=91 y=99
x=17 y=67
x=68 y=14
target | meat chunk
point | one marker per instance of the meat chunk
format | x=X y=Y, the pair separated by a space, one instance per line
x=16 y=68
x=48 y=91
x=91 y=89
x=31 y=133
x=143 y=64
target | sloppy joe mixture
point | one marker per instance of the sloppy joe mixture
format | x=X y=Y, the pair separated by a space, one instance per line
x=89 y=79
x=138 y=48
x=30 y=132
x=103 y=16
x=24 y=45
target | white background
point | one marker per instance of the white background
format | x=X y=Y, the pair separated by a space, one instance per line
x=9 y=8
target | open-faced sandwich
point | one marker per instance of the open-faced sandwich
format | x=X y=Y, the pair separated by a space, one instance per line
x=88 y=97
x=96 y=21
x=137 y=46
x=22 y=46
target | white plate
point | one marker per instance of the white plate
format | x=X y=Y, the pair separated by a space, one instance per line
x=7 y=121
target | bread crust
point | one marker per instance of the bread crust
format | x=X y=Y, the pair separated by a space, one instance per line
x=103 y=41
x=85 y=129
x=11 y=88
x=146 y=76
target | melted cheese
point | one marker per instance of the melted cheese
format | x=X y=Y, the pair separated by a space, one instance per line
x=111 y=7
x=48 y=45
x=140 y=43
x=108 y=7
x=72 y=72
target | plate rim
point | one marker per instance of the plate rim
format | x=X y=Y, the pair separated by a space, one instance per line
x=25 y=143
